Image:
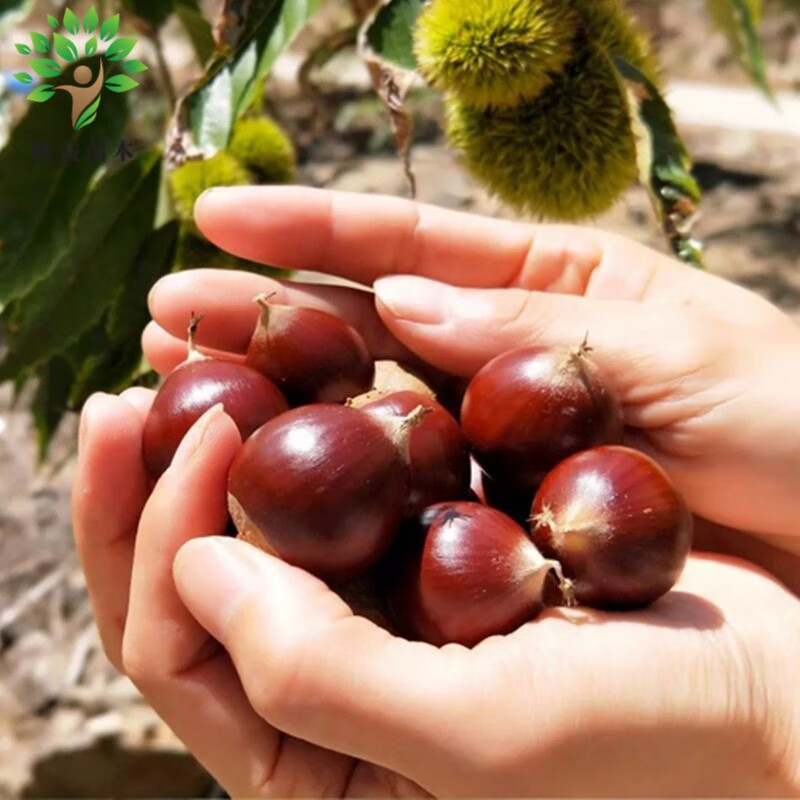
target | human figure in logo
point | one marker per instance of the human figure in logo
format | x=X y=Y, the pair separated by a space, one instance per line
x=85 y=91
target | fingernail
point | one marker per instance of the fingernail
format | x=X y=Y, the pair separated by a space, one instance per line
x=194 y=440
x=152 y=294
x=214 y=577
x=414 y=299
x=84 y=429
x=214 y=190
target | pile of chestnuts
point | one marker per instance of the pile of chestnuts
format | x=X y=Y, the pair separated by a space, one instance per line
x=350 y=468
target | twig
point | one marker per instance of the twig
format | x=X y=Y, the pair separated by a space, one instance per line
x=24 y=567
x=37 y=592
x=80 y=654
x=56 y=617
x=163 y=67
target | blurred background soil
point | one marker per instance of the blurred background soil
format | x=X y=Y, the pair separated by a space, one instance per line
x=69 y=726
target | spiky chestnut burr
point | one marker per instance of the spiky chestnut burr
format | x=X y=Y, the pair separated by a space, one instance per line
x=494 y=52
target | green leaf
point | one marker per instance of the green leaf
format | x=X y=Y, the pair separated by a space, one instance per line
x=42 y=93
x=40 y=195
x=45 y=67
x=739 y=21
x=134 y=66
x=106 y=236
x=118 y=364
x=120 y=48
x=23 y=77
x=65 y=48
x=23 y=49
x=155 y=12
x=50 y=403
x=211 y=113
x=40 y=43
x=52 y=21
x=197 y=28
x=91 y=20
x=71 y=21
x=390 y=34
x=257 y=31
x=91 y=46
x=89 y=115
x=664 y=162
x=121 y=83
x=109 y=29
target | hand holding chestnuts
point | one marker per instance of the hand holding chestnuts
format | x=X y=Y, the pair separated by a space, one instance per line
x=383 y=481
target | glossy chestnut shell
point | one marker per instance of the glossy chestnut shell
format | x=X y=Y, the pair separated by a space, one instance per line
x=616 y=523
x=438 y=454
x=529 y=409
x=463 y=572
x=310 y=355
x=323 y=487
x=199 y=384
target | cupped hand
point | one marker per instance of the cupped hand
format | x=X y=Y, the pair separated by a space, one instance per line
x=707 y=371
x=279 y=690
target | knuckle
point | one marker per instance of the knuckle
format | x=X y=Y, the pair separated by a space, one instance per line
x=135 y=664
x=527 y=318
x=275 y=691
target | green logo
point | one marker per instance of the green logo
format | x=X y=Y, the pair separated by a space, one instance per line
x=84 y=82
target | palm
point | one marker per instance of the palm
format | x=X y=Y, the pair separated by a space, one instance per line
x=704 y=649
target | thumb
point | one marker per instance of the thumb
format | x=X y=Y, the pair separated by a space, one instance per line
x=459 y=330
x=314 y=670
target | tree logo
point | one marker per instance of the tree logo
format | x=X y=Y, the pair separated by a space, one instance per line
x=83 y=85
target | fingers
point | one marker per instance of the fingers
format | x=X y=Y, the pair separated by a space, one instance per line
x=109 y=492
x=141 y=399
x=365 y=237
x=182 y=672
x=204 y=704
x=461 y=329
x=310 y=667
x=189 y=500
x=225 y=299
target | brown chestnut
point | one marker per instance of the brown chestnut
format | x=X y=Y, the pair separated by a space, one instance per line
x=463 y=572
x=193 y=388
x=390 y=378
x=438 y=454
x=620 y=529
x=323 y=487
x=529 y=409
x=310 y=355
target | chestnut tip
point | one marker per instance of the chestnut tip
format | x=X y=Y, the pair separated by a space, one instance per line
x=193 y=353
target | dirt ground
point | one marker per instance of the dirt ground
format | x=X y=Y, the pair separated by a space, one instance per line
x=68 y=725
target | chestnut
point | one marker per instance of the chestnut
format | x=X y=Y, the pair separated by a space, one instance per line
x=310 y=355
x=438 y=454
x=529 y=409
x=620 y=529
x=392 y=377
x=193 y=388
x=463 y=572
x=323 y=487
